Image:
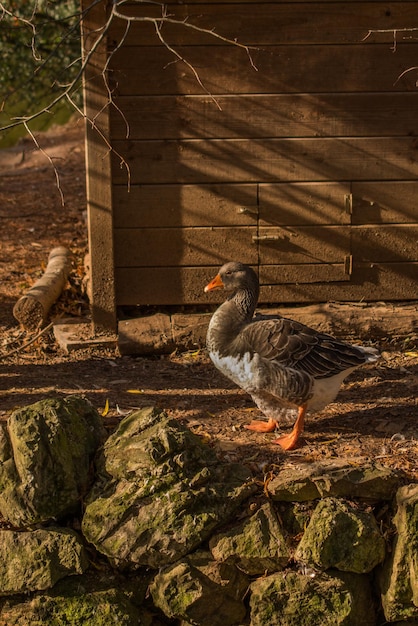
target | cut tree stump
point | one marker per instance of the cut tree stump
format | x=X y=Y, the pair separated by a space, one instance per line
x=32 y=309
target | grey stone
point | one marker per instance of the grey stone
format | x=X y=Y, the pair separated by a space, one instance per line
x=98 y=608
x=201 y=591
x=257 y=544
x=45 y=457
x=161 y=492
x=323 y=599
x=334 y=478
x=342 y=536
x=399 y=576
x=38 y=559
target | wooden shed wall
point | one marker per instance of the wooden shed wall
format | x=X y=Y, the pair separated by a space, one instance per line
x=299 y=158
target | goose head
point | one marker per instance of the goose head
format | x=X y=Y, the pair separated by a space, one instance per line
x=233 y=277
x=240 y=282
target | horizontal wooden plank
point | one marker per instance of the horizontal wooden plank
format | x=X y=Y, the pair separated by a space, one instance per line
x=184 y=205
x=164 y=286
x=328 y=115
x=162 y=247
x=280 y=69
x=256 y=23
x=303 y=273
x=313 y=203
x=304 y=244
x=274 y=160
x=304 y=203
x=184 y=286
x=385 y=202
x=385 y=244
x=369 y=283
x=286 y=204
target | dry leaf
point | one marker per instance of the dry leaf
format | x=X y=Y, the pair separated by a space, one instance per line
x=106 y=408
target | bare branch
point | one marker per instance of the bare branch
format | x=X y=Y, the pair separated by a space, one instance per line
x=70 y=88
x=393 y=31
x=57 y=178
x=410 y=69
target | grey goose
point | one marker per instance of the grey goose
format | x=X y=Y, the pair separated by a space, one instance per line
x=281 y=363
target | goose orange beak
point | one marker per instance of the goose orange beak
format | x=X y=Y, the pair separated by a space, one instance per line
x=216 y=283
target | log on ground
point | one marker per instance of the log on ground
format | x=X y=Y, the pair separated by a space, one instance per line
x=32 y=309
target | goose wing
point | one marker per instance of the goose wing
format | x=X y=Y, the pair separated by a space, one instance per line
x=299 y=347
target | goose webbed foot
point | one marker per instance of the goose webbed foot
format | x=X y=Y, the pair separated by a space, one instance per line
x=290 y=441
x=262 y=426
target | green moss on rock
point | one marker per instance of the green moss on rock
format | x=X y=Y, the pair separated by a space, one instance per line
x=201 y=591
x=45 y=457
x=101 y=608
x=161 y=492
x=399 y=575
x=342 y=536
x=38 y=559
x=257 y=545
x=334 y=478
x=292 y=599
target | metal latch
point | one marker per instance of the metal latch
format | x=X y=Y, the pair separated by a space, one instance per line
x=247 y=210
x=256 y=238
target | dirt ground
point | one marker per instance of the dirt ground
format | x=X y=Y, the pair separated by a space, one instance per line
x=374 y=417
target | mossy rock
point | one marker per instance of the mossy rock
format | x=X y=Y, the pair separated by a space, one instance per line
x=370 y=481
x=101 y=608
x=160 y=493
x=343 y=536
x=201 y=591
x=97 y=598
x=38 y=559
x=257 y=544
x=295 y=516
x=399 y=576
x=322 y=599
x=45 y=457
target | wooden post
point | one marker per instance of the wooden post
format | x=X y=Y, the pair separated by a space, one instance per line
x=98 y=172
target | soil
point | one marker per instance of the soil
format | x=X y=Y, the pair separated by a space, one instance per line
x=374 y=417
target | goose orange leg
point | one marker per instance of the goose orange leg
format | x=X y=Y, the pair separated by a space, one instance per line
x=262 y=427
x=289 y=442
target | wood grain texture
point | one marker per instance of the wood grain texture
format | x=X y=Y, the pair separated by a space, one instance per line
x=268 y=160
x=164 y=247
x=98 y=175
x=305 y=166
x=257 y=23
x=153 y=206
x=280 y=69
x=184 y=285
x=264 y=116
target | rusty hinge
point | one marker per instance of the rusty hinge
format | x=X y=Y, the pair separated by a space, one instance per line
x=348 y=203
x=348 y=264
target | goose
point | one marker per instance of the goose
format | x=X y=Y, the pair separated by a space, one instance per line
x=281 y=363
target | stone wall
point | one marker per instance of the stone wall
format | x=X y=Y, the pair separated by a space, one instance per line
x=158 y=531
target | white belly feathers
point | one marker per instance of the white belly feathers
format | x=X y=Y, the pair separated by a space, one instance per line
x=242 y=370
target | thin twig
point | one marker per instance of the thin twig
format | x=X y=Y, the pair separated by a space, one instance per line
x=57 y=177
x=66 y=93
x=28 y=343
